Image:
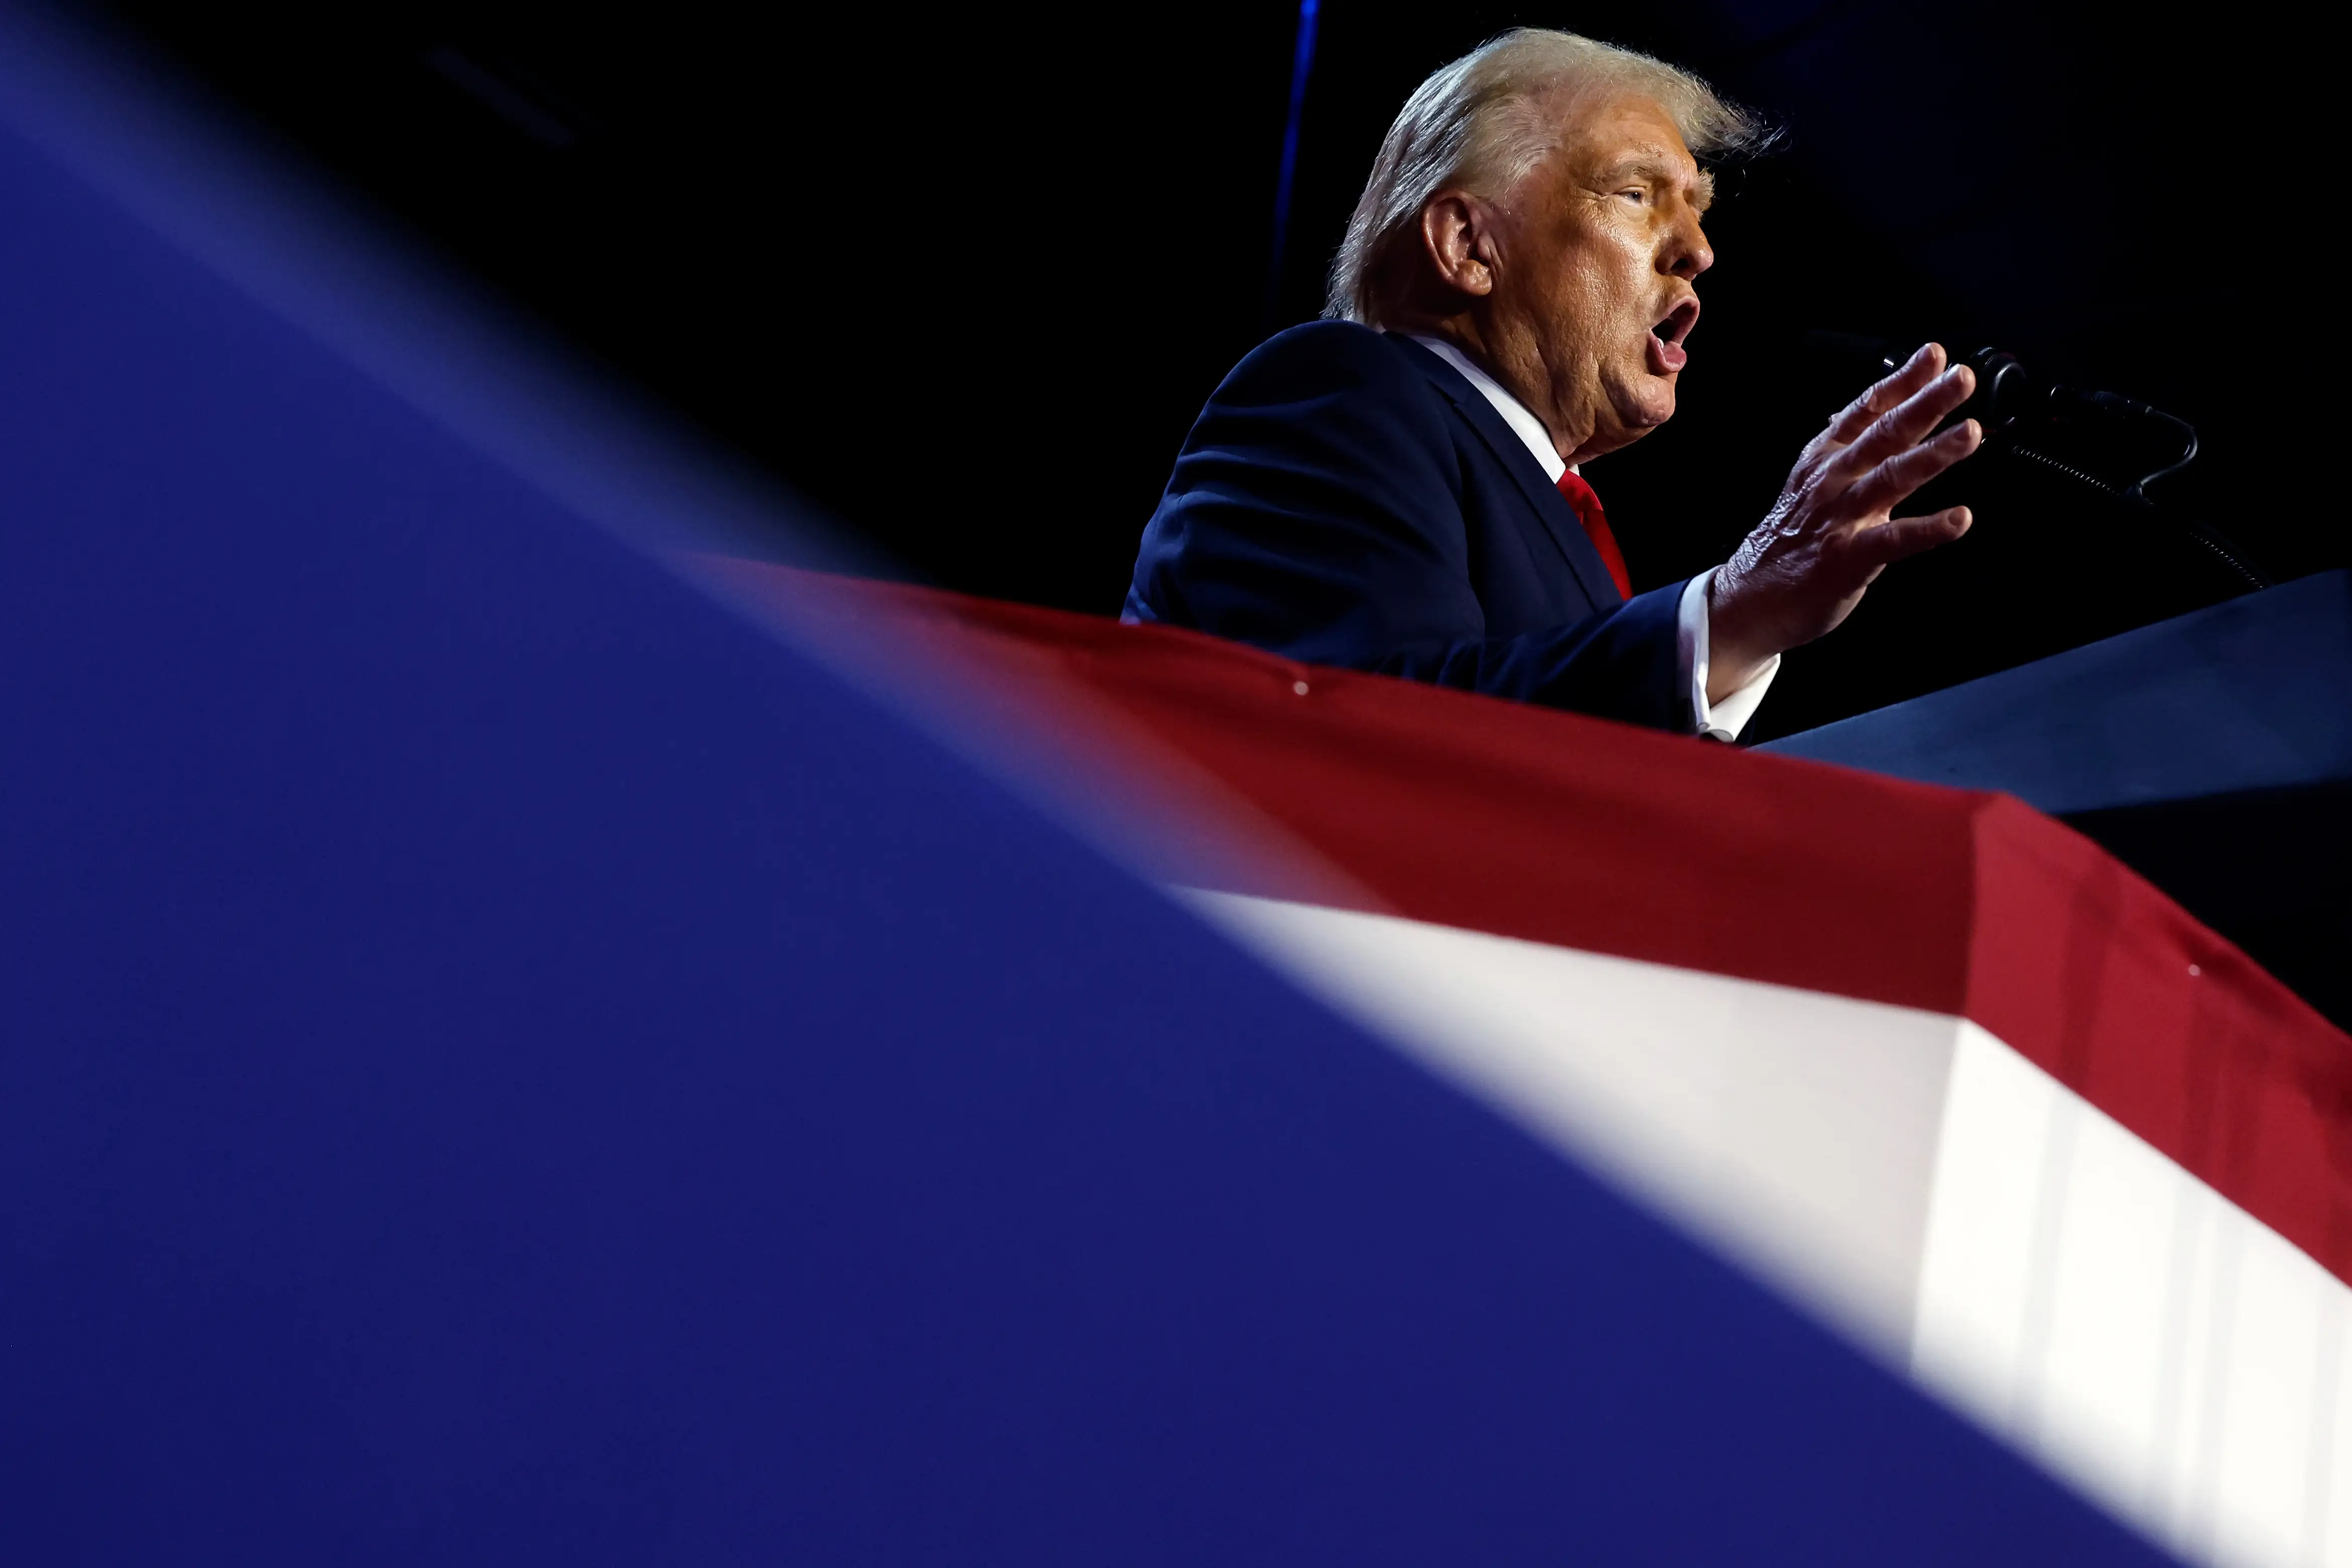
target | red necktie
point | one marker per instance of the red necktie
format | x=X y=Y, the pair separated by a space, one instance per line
x=1587 y=507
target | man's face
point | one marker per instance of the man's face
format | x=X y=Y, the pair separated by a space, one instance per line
x=1593 y=296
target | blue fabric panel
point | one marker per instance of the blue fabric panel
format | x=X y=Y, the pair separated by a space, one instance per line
x=502 y=1061
x=2245 y=695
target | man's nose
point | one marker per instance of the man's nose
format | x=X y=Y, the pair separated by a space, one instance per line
x=1686 y=253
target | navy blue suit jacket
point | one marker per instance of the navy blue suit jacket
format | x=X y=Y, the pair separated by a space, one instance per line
x=1347 y=497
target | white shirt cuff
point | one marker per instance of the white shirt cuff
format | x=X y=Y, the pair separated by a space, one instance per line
x=1723 y=720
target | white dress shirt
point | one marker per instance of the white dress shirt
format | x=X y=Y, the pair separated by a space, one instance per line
x=1723 y=720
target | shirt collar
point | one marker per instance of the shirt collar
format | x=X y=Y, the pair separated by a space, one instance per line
x=1524 y=424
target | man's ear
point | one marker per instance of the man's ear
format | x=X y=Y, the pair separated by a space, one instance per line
x=1454 y=238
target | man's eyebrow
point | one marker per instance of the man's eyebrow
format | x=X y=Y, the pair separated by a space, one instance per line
x=1659 y=168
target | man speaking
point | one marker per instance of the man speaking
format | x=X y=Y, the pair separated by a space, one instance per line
x=1398 y=488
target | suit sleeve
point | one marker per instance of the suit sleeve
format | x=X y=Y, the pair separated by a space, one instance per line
x=1316 y=512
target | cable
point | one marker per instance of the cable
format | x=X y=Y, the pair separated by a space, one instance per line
x=2187 y=456
x=2228 y=551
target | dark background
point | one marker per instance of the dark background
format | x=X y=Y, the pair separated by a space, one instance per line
x=963 y=279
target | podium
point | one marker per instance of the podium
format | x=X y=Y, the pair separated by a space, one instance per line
x=2213 y=753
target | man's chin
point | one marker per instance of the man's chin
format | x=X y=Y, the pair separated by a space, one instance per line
x=1640 y=409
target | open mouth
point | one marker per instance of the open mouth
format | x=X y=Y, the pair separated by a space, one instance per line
x=1666 y=352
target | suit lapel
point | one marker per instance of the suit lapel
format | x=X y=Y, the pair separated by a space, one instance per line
x=1550 y=508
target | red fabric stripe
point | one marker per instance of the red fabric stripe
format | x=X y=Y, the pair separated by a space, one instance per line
x=1493 y=816
x=2086 y=970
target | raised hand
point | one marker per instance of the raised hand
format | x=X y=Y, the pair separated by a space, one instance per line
x=1833 y=530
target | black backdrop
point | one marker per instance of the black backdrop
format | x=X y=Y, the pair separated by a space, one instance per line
x=963 y=279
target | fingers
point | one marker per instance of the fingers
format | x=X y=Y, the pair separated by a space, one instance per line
x=1918 y=371
x=1885 y=487
x=1906 y=536
x=1903 y=425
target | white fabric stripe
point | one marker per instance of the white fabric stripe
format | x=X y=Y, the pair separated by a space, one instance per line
x=1917 y=1184
x=1793 y=1129
x=2088 y=1298
x=2331 y=1524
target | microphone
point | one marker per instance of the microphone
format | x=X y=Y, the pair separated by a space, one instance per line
x=2007 y=392
x=2024 y=410
x=2017 y=406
